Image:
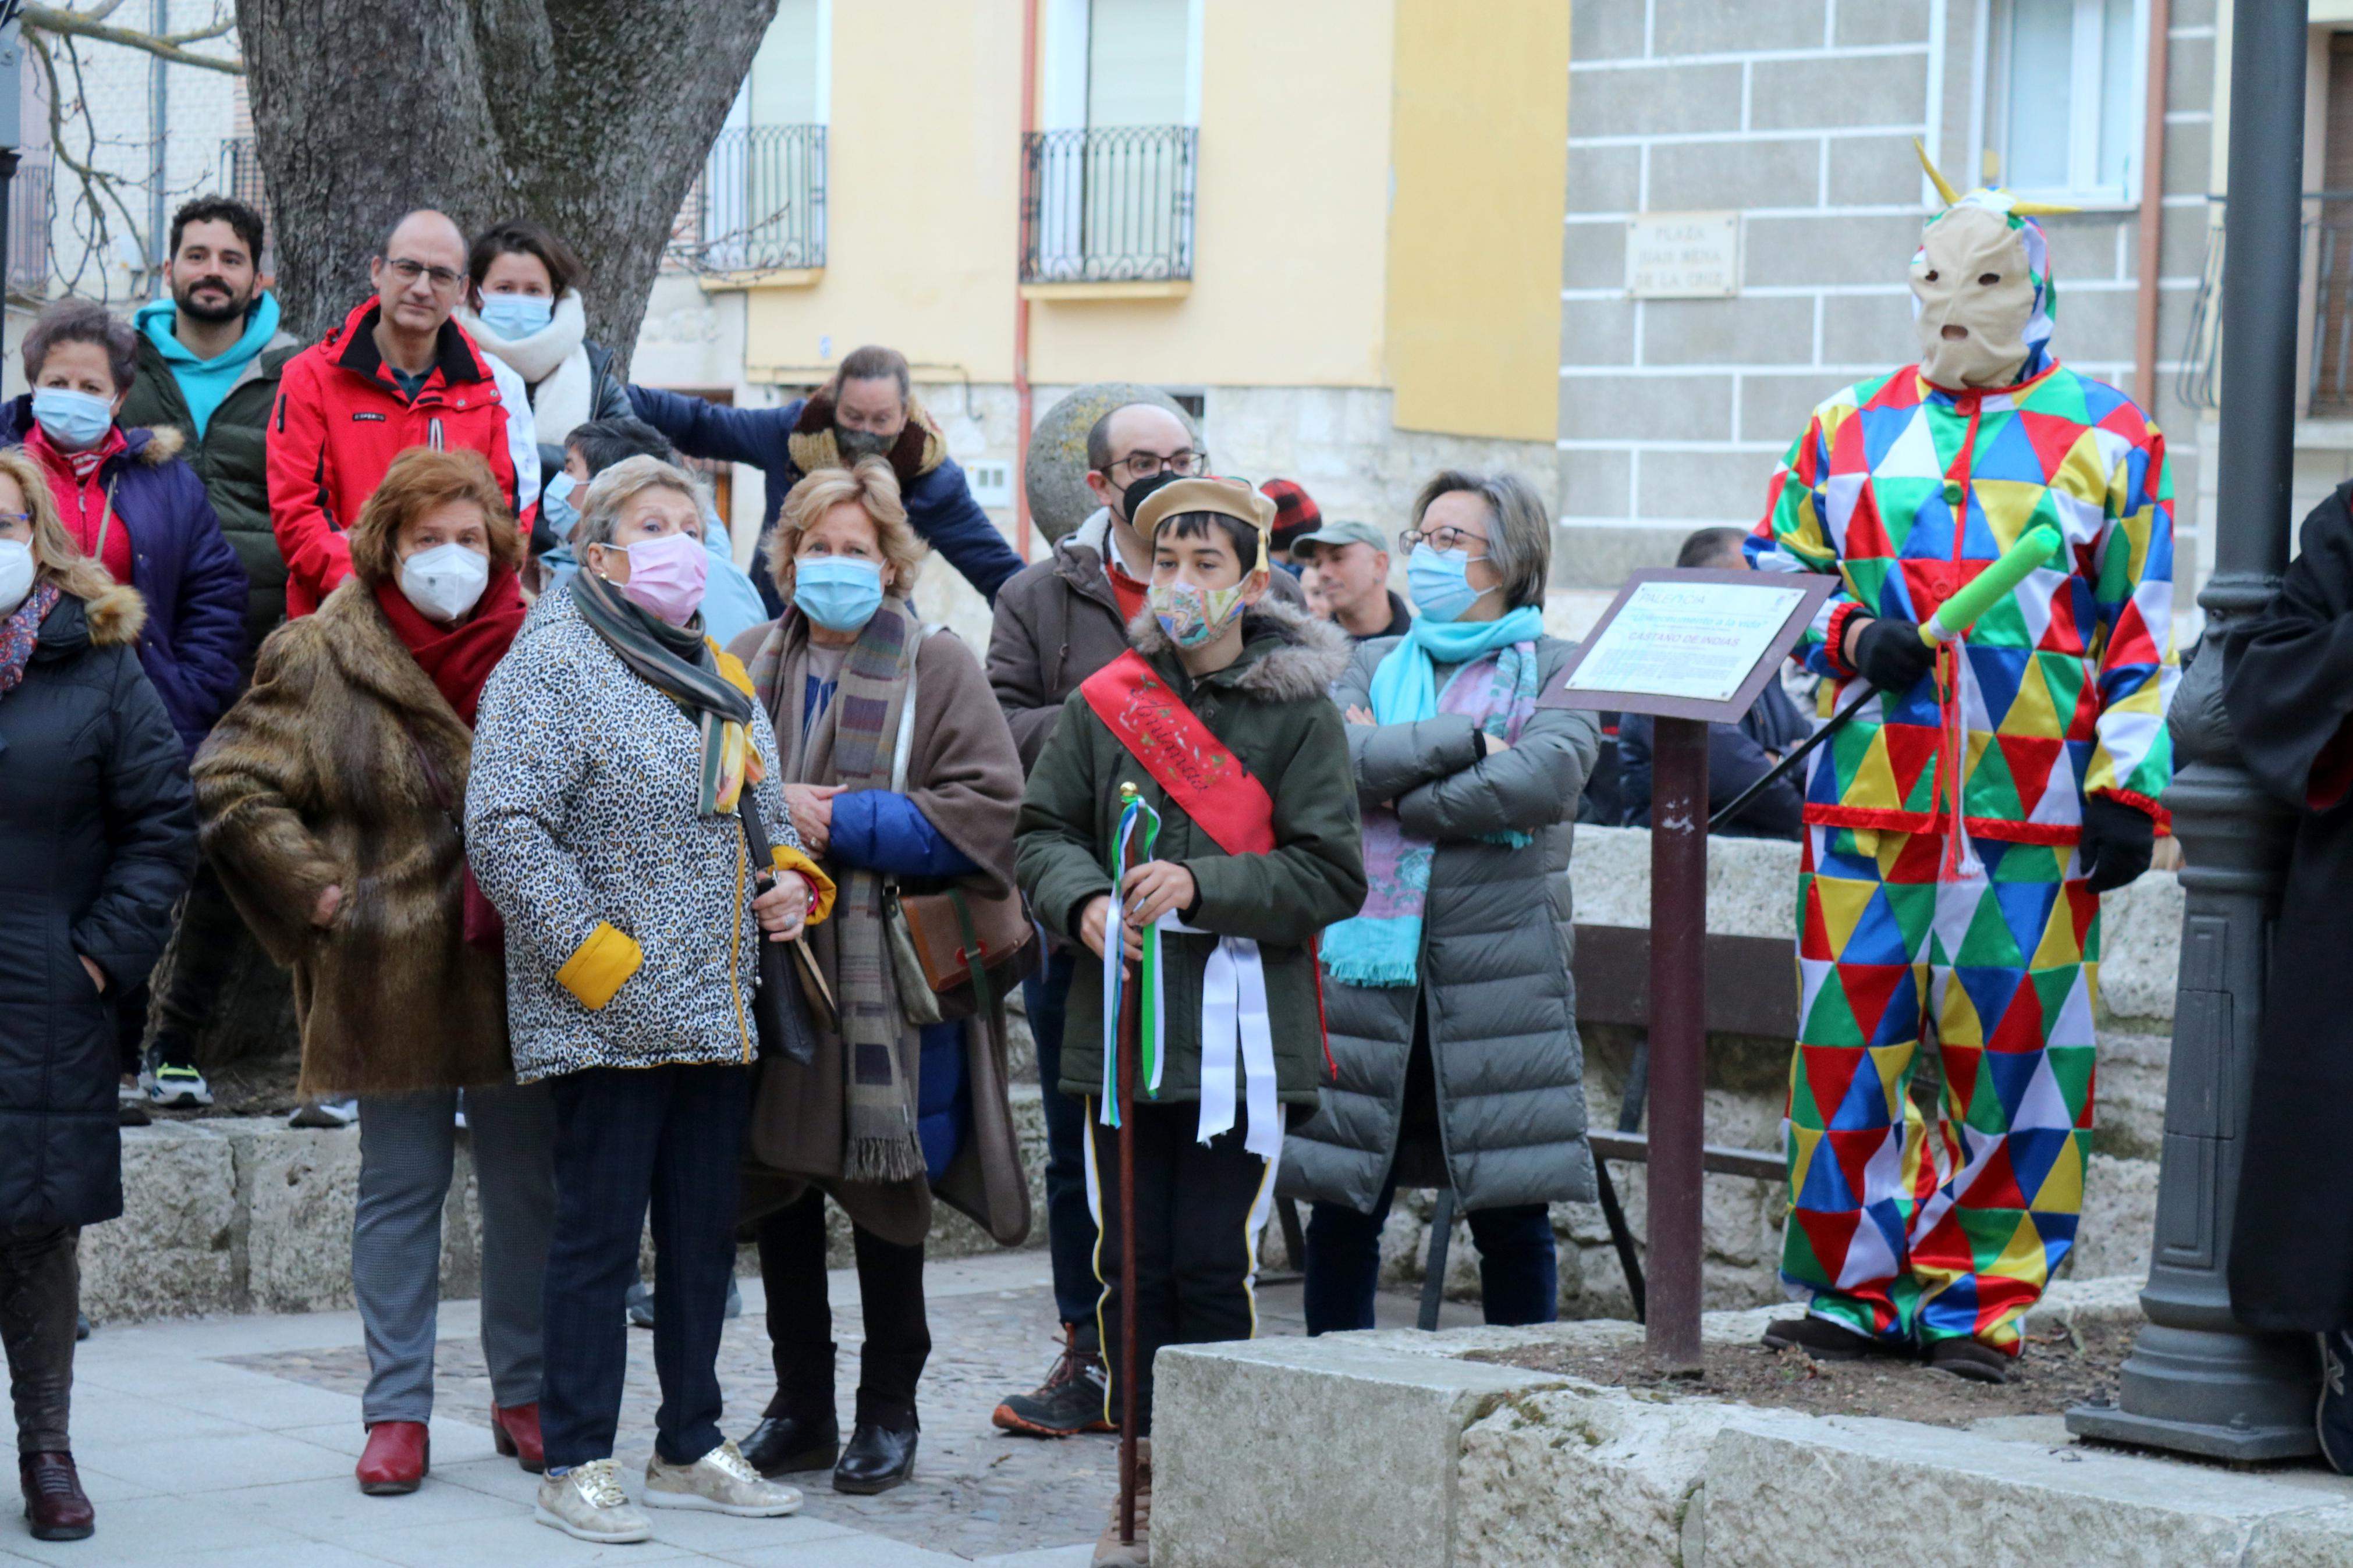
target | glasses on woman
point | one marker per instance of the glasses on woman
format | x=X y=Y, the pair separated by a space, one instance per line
x=1187 y=464
x=1442 y=538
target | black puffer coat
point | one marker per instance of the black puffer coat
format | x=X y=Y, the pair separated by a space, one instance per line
x=98 y=836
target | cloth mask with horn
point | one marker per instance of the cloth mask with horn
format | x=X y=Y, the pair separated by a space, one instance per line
x=1981 y=296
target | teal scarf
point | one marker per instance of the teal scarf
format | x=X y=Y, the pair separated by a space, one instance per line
x=1495 y=686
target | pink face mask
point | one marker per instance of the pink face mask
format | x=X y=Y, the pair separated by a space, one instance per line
x=666 y=578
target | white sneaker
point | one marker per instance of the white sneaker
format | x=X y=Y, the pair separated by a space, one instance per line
x=586 y=1503
x=329 y=1113
x=721 y=1481
x=176 y=1088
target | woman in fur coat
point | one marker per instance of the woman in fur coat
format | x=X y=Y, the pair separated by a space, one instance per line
x=332 y=797
x=96 y=831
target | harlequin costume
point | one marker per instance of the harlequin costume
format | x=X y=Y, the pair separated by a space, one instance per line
x=1942 y=890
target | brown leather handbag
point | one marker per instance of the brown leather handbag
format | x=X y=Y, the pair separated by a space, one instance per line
x=956 y=950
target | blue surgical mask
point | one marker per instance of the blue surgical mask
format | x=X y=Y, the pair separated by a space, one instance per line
x=1439 y=582
x=555 y=504
x=513 y=316
x=839 y=592
x=74 y=420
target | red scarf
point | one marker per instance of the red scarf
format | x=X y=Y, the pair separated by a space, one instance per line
x=458 y=659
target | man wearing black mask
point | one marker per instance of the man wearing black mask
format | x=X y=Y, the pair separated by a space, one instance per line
x=868 y=410
x=1057 y=622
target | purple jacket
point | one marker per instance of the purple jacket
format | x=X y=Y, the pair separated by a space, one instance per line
x=181 y=565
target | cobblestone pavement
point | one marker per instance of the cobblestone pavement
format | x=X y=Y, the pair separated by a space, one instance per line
x=977 y=1492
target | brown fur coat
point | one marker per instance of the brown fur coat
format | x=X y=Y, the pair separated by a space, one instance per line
x=314 y=778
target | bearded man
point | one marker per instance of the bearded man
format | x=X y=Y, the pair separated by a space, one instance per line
x=1961 y=827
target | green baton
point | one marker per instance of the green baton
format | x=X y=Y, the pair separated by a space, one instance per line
x=2020 y=561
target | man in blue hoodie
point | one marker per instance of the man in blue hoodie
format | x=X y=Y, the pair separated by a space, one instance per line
x=209 y=363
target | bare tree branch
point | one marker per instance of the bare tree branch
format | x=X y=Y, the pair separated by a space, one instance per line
x=64 y=22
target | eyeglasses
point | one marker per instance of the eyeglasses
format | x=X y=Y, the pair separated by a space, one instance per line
x=15 y=519
x=1187 y=464
x=1443 y=539
x=410 y=271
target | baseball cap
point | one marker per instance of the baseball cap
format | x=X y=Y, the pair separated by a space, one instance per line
x=1342 y=532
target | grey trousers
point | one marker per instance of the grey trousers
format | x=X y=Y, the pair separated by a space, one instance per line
x=40 y=1290
x=407 y=1144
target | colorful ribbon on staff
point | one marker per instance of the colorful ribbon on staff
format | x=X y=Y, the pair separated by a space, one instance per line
x=1135 y=815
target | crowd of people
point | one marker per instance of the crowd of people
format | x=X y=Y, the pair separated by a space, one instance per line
x=416 y=653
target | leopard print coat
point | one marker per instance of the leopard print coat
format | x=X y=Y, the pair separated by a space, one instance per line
x=581 y=812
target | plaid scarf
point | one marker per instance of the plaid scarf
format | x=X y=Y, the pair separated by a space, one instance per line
x=21 y=630
x=678 y=662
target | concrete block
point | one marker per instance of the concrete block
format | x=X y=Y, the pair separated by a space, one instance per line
x=1704 y=487
x=2140 y=948
x=1817 y=250
x=1606 y=30
x=1592 y=254
x=2083 y=247
x=2188 y=73
x=1590 y=557
x=1710 y=28
x=1655 y=102
x=298 y=1188
x=2320 y=1538
x=2129 y=1108
x=1869 y=329
x=1774 y=1497
x=1598 y=405
x=1603 y=179
x=1594 y=484
x=2119 y=1221
x=1765 y=172
x=1775 y=407
x=2099 y=326
x=1884 y=22
x=1876 y=90
x=1596 y=331
x=173 y=1250
x=1728 y=331
x=1369 y=1440
x=1873 y=171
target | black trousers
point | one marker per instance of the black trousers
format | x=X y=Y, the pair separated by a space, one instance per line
x=40 y=1292
x=1199 y=1210
x=800 y=1318
x=673 y=1136
x=204 y=944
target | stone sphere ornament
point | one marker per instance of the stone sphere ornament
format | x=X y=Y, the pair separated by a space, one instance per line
x=1055 y=472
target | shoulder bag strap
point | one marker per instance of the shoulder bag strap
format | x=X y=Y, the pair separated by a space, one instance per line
x=905 y=745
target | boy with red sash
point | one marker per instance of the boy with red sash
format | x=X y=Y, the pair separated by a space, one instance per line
x=1214 y=743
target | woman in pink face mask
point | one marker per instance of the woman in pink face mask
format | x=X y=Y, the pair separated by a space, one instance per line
x=615 y=750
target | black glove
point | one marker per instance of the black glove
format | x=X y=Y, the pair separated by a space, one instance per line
x=1891 y=654
x=2118 y=842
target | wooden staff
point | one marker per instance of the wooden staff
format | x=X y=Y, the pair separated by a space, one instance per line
x=1131 y=999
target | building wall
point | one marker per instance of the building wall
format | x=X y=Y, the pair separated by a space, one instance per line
x=1800 y=115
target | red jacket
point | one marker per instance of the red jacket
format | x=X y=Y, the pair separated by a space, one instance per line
x=339 y=421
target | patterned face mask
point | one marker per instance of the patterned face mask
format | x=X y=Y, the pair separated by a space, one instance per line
x=1191 y=615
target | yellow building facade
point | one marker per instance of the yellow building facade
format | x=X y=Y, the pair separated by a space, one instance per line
x=1331 y=226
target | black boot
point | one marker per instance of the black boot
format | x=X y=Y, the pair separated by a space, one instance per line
x=877 y=1459
x=783 y=1444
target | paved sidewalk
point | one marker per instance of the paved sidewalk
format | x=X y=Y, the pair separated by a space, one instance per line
x=228 y=1442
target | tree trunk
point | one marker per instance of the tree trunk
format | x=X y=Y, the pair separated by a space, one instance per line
x=592 y=116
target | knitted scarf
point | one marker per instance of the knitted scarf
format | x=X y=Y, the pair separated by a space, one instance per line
x=458 y=659
x=850 y=744
x=1495 y=685
x=21 y=630
x=678 y=662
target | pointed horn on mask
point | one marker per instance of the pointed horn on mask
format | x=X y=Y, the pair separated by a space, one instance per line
x=2040 y=209
x=1943 y=187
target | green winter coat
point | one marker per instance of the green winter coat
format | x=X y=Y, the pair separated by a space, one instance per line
x=1272 y=709
x=231 y=461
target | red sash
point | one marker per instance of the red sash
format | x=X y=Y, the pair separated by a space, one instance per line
x=1180 y=753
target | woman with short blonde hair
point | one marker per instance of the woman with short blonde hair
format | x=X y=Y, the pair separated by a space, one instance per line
x=874 y=488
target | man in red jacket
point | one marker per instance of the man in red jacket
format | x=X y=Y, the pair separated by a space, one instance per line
x=397 y=374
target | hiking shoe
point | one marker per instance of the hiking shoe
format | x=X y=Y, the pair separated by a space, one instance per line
x=1071 y=1398
x=328 y=1113
x=586 y=1503
x=1822 y=1339
x=174 y=1088
x=1967 y=1359
x=2333 y=1419
x=719 y=1482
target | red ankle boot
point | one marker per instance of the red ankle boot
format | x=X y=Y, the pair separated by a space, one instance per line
x=54 y=1503
x=398 y=1455
x=515 y=1429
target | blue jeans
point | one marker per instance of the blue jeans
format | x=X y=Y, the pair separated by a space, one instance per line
x=1070 y=1229
x=1519 y=1272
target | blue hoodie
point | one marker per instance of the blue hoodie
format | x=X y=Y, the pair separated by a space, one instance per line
x=205 y=382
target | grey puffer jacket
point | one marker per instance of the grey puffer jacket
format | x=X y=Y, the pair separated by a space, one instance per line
x=631 y=937
x=1496 y=944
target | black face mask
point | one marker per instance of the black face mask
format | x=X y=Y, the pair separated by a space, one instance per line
x=1132 y=500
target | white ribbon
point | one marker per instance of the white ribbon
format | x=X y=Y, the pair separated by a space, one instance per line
x=1234 y=1013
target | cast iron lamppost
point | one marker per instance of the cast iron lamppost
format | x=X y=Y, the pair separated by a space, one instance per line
x=2196 y=1382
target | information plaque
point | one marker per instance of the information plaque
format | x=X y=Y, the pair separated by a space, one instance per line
x=1690 y=644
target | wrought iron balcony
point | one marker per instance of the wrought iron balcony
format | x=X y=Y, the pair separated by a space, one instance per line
x=1112 y=204
x=758 y=205
x=2326 y=248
